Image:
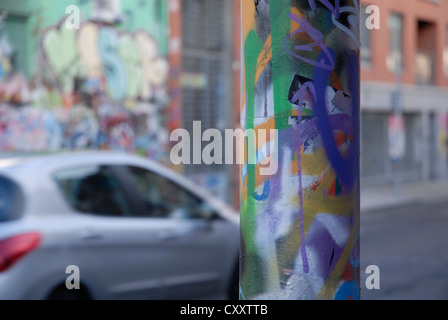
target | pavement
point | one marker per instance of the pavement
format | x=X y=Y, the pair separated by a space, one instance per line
x=407 y=240
x=388 y=197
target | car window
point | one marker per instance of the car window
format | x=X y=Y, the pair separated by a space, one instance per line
x=166 y=199
x=94 y=190
x=11 y=200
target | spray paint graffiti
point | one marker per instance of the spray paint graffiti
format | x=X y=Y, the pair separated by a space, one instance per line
x=97 y=87
x=129 y=63
x=300 y=227
x=30 y=129
x=108 y=11
x=13 y=85
x=5 y=55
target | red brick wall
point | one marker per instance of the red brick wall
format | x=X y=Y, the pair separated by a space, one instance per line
x=412 y=11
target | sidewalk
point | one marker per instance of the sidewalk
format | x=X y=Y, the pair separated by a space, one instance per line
x=373 y=199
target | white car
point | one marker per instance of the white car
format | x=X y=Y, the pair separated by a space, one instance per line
x=120 y=225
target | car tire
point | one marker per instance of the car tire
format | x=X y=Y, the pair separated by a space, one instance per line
x=234 y=286
x=62 y=293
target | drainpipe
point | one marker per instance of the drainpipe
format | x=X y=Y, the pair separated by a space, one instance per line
x=300 y=184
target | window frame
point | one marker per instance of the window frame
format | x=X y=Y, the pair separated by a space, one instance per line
x=131 y=192
x=369 y=63
x=138 y=198
x=123 y=188
x=16 y=198
x=402 y=39
x=445 y=54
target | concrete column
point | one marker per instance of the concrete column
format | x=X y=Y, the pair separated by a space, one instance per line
x=300 y=98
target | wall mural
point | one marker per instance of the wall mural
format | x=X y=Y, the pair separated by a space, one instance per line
x=300 y=226
x=98 y=87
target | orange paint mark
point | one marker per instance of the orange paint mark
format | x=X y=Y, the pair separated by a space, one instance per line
x=248 y=21
x=316 y=184
x=341 y=138
x=263 y=58
x=295 y=25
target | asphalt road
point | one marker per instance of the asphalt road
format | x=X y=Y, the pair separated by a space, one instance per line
x=410 y=246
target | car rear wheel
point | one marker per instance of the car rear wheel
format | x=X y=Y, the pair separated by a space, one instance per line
x=62 y=293
x=234 y=286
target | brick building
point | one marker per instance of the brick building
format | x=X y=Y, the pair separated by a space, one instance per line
x=415 y=34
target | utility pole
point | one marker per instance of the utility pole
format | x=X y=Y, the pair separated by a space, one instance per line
x=400 y=128
x=301 y=78
x=397 y=134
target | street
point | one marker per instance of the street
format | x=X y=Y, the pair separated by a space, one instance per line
x=409 y=244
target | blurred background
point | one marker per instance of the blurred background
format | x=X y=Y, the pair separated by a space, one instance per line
x=133 y=72
x=136 y=70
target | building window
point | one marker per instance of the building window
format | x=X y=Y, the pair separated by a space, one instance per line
x=445 y=54
x=425 y=64
x=94 y=190
x=396 y=57
x=366 y=41
x=376 y=166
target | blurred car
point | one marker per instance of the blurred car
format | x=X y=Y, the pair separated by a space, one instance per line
x=134 y=230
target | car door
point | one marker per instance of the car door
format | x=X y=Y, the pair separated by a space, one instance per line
x=120 y=255
x=193 y=239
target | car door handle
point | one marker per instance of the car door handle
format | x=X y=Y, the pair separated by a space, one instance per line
x=207 y=226
x=89 y=235
x=167 y=236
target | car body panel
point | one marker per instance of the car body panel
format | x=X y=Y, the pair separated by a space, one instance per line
x=118 y=258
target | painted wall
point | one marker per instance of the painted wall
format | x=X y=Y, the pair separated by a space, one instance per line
x=412 y=11
x=300 y=225
x=103 y=86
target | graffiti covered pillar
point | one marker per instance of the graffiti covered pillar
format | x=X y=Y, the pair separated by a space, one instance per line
x=300 y=223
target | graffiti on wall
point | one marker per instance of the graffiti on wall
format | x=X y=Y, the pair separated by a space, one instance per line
x=300 y=227
x=128 y=64
x=98 y=87
x=5 y=56
x=13 y=85
x=106 y=10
